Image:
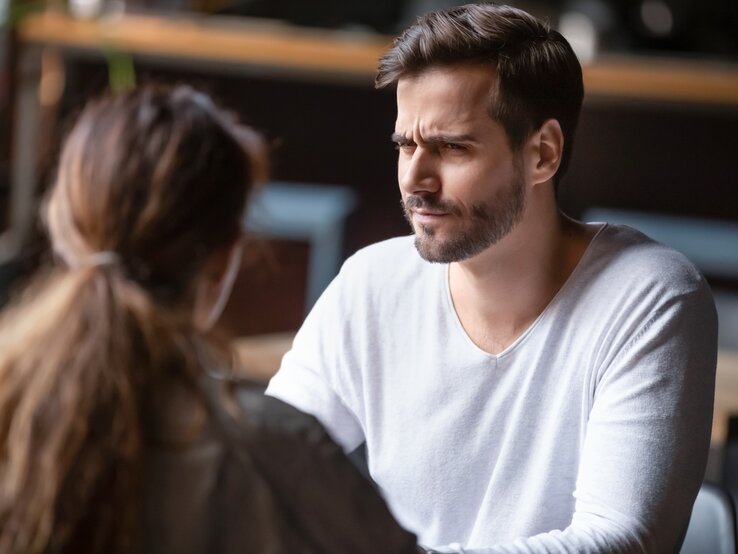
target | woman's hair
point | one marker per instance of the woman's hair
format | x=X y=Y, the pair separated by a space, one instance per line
x=538 y=74
x=150 y=183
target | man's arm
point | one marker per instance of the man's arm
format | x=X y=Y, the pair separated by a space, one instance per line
x=308 y=377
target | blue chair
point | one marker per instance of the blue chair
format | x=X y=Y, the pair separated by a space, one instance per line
x=307 y=212
x=712 y=526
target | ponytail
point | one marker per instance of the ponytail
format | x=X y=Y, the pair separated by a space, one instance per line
x=150 y=184
x=76 y=354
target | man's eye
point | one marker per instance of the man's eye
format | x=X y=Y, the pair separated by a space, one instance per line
x=404 y=147
x=453 y=146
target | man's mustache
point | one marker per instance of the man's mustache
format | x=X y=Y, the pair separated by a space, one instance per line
x=415 y=202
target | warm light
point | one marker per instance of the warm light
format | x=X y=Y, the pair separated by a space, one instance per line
x=85 y=9
x=581 y=33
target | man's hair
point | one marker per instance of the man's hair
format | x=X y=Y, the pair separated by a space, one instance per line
x=538 y=74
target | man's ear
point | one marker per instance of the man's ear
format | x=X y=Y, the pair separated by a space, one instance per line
x=547 y=147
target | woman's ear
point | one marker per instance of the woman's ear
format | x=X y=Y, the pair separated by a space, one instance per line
x=547 y=148
x=215 y=284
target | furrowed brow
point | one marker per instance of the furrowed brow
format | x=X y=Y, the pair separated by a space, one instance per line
x=402 y=140
x=442 y=139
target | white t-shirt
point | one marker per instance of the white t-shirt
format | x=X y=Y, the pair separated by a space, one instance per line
x=588 y=434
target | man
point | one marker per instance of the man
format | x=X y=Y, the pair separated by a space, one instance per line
x=524 y=382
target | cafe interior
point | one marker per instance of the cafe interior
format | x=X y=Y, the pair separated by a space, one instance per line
x=656 y=144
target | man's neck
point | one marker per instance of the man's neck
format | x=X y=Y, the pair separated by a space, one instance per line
x=499 y=293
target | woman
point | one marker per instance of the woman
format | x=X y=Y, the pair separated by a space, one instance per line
x=116 y=432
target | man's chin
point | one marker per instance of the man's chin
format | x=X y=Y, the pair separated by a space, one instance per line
x=434 y=249
x=431 y=250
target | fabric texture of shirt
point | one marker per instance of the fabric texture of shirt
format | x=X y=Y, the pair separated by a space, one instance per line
x=588 y=434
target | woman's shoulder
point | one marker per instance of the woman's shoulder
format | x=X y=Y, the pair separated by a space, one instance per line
x=268 y=427
x=325 y=494
x=272 y=419
x=261 y=414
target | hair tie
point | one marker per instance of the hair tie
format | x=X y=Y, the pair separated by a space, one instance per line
x=98 y=259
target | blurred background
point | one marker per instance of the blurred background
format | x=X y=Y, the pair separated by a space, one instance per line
x=656 y=145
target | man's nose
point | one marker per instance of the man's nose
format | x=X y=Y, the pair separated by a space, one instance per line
x=417 y=172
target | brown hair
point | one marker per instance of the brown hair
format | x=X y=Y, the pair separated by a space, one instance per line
x=156 y=178
x=538 y=74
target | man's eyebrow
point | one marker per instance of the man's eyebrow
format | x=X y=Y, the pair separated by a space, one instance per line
x=399 y=138
x=444 y=138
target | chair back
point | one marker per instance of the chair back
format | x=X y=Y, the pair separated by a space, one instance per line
x=712 y=526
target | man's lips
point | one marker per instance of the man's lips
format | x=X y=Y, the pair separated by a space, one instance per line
x=425 y=216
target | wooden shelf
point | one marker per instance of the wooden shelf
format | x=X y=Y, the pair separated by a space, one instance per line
x=726 y=393
x=663 y=79
x=267 y=45
x=240 y=41
x=258 y=357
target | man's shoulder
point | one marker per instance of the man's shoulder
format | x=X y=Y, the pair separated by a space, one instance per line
x=396 y=248
x=382 y=276
x=626 y=256
x=385 y=260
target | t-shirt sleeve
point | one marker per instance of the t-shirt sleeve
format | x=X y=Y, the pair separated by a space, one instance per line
x=647 y=438
x=316 y=375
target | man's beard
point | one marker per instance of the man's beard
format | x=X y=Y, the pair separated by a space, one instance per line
x=485 y=225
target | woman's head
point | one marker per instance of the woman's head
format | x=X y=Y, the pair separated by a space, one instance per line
x=145 y=213
x=158 y=176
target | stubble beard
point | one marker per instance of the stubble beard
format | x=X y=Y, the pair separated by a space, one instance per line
x=484 y=225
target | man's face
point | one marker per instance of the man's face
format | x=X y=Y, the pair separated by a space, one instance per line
x=462 y=186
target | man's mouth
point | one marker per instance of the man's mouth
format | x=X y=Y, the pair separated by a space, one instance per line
x=425 y=216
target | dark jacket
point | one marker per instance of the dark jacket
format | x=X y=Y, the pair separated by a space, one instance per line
x=253 y=474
